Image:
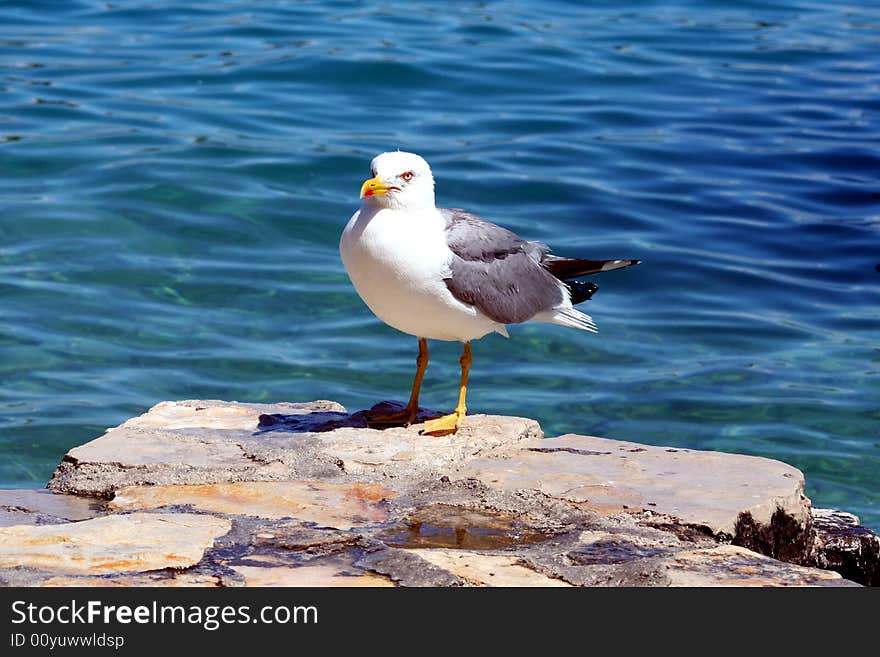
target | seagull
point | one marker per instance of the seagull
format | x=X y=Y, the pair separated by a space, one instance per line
x=446 y=274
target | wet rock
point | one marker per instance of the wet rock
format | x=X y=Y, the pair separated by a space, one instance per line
x=341 y=506
x=843 y=545
x=113 y=544
x=204 y=442
x=784 y=537
x=444 y=525
x=709 y=489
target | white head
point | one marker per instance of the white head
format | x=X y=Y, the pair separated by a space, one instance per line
x=400 y=181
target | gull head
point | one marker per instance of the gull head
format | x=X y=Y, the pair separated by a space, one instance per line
x=401 y=181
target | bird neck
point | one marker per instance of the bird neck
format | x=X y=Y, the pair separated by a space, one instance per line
x=422 y=215
x=413 y=204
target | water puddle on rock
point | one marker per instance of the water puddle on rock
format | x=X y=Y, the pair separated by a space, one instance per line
x=609 y=551
x=446 y=526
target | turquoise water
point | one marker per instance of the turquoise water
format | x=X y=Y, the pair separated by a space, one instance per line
x=175 y=177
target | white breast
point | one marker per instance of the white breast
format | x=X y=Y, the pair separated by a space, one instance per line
x=397 y=260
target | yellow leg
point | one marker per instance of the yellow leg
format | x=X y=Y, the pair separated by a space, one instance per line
x=450 y=423
x=408 y=415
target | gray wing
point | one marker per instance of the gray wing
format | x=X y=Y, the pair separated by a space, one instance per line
x=496 y=271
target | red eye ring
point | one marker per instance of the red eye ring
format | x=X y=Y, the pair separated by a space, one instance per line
x=406 y=176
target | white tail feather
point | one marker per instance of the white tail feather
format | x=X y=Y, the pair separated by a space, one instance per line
x=574 y=319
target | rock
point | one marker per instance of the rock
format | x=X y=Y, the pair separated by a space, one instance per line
x=461 y=528
x=704 y=489
x=204 y=442
x=113 y=544
x=730 y=565
x=334 y=572
x=43 y=507
x=187 y=442
x=341 y=506
x=481 y=569
x=228 y=494
x=784 y=537
x=407 y=569
x=172 y=579
x=624 y=553
x=632 y=558
x=293 y=535
x=9 y=518
x=842 y=544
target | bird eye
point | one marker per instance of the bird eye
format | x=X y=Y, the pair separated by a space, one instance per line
x=407 y=176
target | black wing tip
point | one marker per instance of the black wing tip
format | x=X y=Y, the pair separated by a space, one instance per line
x=581 y=291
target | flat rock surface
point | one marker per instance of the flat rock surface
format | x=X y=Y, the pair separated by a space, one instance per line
x=204 y=442
x=482 y=569
x=333 y=572
x=730 y=565
x=209 y=493
x=113 y=544
x=42 y=507
x=173 y=580
x=326 y=504
x=702 y=488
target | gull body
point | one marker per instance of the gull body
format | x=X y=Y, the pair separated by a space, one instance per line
x=446 y=274
x=397 y=261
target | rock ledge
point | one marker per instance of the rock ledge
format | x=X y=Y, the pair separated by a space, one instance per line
x=211 y=493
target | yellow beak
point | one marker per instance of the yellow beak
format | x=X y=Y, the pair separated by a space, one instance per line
x=373 y=187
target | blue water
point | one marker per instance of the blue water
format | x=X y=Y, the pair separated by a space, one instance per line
x=175 y=177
